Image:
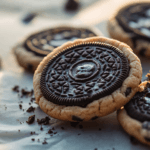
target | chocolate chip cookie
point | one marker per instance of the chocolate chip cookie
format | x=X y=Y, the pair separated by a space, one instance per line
x=86 y=79
x=30 y=52
x=131 y=25
x=135 y=116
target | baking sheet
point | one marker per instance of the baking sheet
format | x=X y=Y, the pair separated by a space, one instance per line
x=104 y=133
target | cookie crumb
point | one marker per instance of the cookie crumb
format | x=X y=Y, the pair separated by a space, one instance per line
x=20 y=106
x=99 y=129
x=41 y=128
x=33 y=139
x=31 y=109
x=31 y=119
x=44 y=121
x=16 y=88
x=50 y=131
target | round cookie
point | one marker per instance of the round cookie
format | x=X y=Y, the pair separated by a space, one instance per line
x=86 y=79
x=135 y=116
x=30 y=51
x=131 y=25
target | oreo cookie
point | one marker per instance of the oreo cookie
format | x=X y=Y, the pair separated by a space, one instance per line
x=84 y=73
x=42 y=43
x=133 y=22
x=139 y=106
x=30 y=52
x=86 y=79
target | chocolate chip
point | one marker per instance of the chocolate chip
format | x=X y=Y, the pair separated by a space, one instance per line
x=50 y=131
x=128 y=91
x=20 y=106
x=75 y=118
x=31 y=119
x=33 y=139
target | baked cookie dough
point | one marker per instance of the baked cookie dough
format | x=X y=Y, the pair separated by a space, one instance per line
x=86 y=79
x=30 y=51
x=135 y=116
x=131 y=25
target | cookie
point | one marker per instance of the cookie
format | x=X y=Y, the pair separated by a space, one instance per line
x=135 y=116
x=131 y=25
x=86 y=79
x=30 y=52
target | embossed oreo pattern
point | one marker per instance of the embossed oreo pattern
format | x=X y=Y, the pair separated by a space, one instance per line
x=139 y=106
x=44 y=42
x=84 y=73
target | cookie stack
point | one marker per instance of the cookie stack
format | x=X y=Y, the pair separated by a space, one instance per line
x=80 y=76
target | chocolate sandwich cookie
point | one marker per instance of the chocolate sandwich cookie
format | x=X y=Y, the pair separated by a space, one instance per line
x=132 y=25
x=135 y=117
x=86 y=79
x=35 y=47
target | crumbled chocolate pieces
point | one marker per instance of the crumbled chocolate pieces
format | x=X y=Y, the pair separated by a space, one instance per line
x=44 y=121
x=41 y=128
x=16 y=88
x=33 y=139
x=50 y=131
x=31 y=109
x=20 y=106
x=27 y=93
x=45 y=142
x=99 y=129
x=32 y=99
x=31 y=119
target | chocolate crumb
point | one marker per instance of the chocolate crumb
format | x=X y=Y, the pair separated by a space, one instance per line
x=32 y=133
x=26 y=93
x=20 y=106
x=80 y=126
x=99 y=129
x=95 y=149
x=62 y=128
x=79 y=133
x=53 y=128
x=33 y=139
x=30 y=109
x=74 y=124
x=44 y=142
x=32 y=99
x=15 y=88
x=29 y=103
x=18 y=130
x=44 y=121
x=41 y=128
x=50 y=131
x=133 y=140
x=31 y=119
x=55 y=132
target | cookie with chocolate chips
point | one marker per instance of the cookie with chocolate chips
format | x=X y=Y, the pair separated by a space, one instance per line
x=86 y=79
x=135 y=116
x=30 y=52
x=131 y=25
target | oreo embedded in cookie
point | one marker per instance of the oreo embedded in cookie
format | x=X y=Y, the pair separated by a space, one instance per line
x=135 y=117
x=82 y=76
x=133 y=22
x=84 y=73
x=32 y=50
x=139 y=106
